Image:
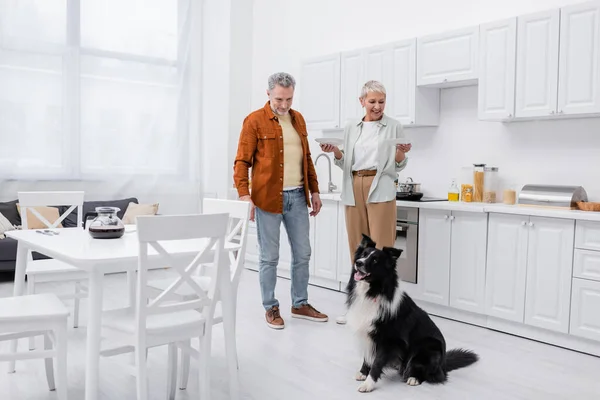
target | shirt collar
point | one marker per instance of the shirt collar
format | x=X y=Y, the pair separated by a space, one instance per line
x=271 y=115
x=381 y=122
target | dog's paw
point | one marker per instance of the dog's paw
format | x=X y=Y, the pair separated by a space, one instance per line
x=413 y=381
x=359 y=376
x=367 y=386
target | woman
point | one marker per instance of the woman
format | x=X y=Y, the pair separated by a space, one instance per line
x=370 y=166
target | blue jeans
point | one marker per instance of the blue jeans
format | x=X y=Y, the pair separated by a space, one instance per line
x=297 y=226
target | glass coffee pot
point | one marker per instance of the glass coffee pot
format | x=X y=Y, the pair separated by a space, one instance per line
x=106 y=224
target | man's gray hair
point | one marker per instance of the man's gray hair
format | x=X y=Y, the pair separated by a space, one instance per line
x=372 y=86
x=282 y=79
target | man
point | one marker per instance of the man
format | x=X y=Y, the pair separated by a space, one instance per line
x=274 y=143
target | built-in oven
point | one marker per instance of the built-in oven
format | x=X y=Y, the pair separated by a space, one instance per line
x=407 y=239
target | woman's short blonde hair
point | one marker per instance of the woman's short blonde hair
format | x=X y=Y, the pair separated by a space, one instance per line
x=372 y=86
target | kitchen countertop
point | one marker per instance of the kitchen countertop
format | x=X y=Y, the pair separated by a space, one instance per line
x=494 y=208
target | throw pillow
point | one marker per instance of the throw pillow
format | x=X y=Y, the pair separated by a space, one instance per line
x=33 y=222
x=133 y=210
x=9 y=210
x=5 y=226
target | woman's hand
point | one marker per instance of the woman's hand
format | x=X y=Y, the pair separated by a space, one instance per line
x=405 y=148
x=330 y=148
x=401 y=149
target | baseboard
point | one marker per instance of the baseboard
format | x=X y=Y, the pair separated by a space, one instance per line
x=558 y=339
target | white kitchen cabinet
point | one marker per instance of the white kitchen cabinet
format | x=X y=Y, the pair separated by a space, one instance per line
x=586 y=264
x=433 y=271
x=585 y=306
x=506 y=266
x=497 y=70
x=344 y=261
x=448 y=59
x=452 y=256
x=320 y=92
x=579 y=67
x=537 y=64
x=529 y=267
x=549 y=273
x=408 y=103
x=468 y=260
x=325 y=241
x=352 y=80
x=587 y=235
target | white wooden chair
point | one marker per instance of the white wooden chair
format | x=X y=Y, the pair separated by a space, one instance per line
x=40 y=314
x=164 y=321
x=239 y=216
x=49 y=270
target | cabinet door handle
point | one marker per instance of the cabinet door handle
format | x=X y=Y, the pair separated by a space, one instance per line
x=445 y=217
x=531 y=224
x=523 y=223
x=452 y=218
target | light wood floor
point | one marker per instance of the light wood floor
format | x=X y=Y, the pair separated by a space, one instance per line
x=313 y=361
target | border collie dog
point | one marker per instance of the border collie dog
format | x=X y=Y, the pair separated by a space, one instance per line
x=393 y=330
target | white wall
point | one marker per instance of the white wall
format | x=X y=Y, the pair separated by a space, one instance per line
x=561 y=152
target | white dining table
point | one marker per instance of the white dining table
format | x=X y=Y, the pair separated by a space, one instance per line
x=99 y=257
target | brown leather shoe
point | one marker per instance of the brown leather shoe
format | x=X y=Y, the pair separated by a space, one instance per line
x=274 y=319
x=308 y=312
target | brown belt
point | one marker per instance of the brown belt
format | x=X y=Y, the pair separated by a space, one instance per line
x=365 y=172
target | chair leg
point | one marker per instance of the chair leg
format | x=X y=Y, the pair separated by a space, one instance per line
x=172 y=375
x=76 y=305
x=231 y=354
x=142 y=375
x=49 y=363
x=60 y=336
x=184 y=367
x=30 y=291
x=203 y=365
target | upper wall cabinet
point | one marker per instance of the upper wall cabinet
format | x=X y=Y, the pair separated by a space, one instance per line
x=410 y=104
x=352 y=79
x=579 y=66
x=497 y=58
x=537 y=64
x=448 y=59
x=394 y=65
x=558 y=62
x=320 y=92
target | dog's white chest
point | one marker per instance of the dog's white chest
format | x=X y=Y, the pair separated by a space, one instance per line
x=361 y=315
x=363 y=310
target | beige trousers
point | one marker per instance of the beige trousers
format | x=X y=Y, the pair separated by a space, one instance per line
x=377 y=220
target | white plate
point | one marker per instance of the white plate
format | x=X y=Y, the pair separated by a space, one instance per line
x=397 y=141
x=333 y=141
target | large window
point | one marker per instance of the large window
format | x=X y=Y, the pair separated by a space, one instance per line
x=94 y=88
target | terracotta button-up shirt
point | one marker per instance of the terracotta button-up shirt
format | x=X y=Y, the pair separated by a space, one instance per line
x=260 y=147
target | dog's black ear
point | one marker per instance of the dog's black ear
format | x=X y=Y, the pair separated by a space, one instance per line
x=367 y=241
x=393 y=252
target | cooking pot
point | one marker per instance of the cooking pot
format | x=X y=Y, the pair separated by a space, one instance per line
x=409 y=186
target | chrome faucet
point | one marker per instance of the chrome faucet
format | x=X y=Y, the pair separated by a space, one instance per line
x=331 y=186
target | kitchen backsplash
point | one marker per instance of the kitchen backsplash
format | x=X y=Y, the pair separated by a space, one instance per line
x=564 y=152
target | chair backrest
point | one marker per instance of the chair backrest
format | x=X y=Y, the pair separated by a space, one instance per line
x=239 y=219
x=29 y=200
x=161 y=233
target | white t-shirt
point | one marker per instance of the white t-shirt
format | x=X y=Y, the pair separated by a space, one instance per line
x=365 y=149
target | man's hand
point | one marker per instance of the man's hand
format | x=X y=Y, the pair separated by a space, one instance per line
x=247 y=198
x=316 y=204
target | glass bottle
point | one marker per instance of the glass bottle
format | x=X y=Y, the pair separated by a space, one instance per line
x=453 y=192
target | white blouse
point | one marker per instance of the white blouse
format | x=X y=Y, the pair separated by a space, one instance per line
x=365 y=149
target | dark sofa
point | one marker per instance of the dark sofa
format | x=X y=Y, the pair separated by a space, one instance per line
x=8 y=246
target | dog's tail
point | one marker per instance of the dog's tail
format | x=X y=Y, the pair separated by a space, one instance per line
x=459 y=358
